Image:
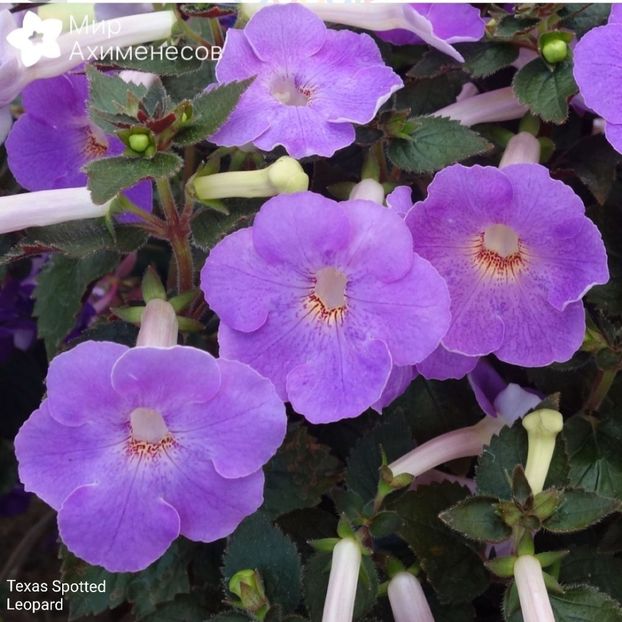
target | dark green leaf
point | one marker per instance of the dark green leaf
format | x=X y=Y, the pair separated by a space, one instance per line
x=187 y=85
x=300 y=473
x=210 y=226
x=108 y=176
x=482 y=59
x=545 y=89
x=425 y=96
x=385 y=524
x=477 y=518
x=581 y=17
x=159 y=63
x=435 y=143
x=60 y=289
x=452 y=566
x=579 y=509
x=600 y=570
x=185 y=608
x=259 y=545
x=210 y=110
x=393 y=436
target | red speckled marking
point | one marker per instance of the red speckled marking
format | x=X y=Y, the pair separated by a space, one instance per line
x=494 y=265
x=149 y=451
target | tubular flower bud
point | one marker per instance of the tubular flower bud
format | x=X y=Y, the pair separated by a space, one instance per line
x=47 y=207
x=490 y=107
x=285 y=176
x=407 y=599
x=368 y=190
x=461 y=443
x=534 y=599
x=542 y=427
x=158 y=325
x=344 y=574
x=524 y=148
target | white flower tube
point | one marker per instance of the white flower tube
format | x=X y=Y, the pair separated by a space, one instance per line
x=158 y=325
x=460 y=443
x=534 y=599
x=524 y=148
x=344 y=574
x=47 y=207
x=491 y=107
x=378 y=18
x=408 y=602
x=368 y=190
x=75 y=47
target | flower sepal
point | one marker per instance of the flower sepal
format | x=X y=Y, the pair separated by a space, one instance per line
x=248 y=586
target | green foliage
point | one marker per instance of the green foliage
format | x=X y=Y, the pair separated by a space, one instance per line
x=259 y=545
x=300 y=473
x=433 y=143
x=546 y=89
x=427 y=95
x=109 y=176
x=580 y=509
x=482 y=59
x=209 y=111
x=477 y=518
x=60 y=290
x=451 y=564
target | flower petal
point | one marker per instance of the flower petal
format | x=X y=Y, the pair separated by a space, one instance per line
x=444 y=365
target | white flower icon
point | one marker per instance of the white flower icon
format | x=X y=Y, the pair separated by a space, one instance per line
x=36 y=38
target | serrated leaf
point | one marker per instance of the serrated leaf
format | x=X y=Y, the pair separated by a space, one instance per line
x=508 y=449
x=299 y=474
x=316 y=572
x=452 y=566
x=161 y=64
x=435 y=143
x=392 y=434
x=259 y=545
x=210 y=226
x=580 y=509
x=582 y=17
x=58 y=296
x=482 y=59
x=108 y=176
x=602 y=570
x=545 y=89
x=578 y=603
x=594 y=453
x=210 y=110
x=477 y=519
x=425 y=96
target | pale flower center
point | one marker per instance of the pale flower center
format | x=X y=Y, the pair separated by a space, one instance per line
x=330 y=288
x=148 y=426
x=501 y=240
x=285 y=90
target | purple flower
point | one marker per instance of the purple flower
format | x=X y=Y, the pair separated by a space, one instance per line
x=324 y=298
x=518 y=254
x=52 y=141
x=135 y=446
x=311 y=83
x=497 y=398
x=449 y=23
x=598 y=72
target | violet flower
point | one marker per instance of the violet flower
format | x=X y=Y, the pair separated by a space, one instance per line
x=515 y=280
x=135 y=446
x=307 y=296
x=312 y=84
x=598 y=73
x=52 y=141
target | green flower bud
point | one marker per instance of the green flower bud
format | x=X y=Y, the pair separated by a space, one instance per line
x=555 y=51
x=151 y=286
x=248 y=587
x=138 y=142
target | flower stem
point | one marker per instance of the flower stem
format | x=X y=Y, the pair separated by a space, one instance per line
x=602 y=383
x=178 y=235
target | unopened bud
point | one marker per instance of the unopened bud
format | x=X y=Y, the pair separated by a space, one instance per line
x=542 y=427
x=158 y=325
x=248 y=587
x=555 y=51
x=138 y=142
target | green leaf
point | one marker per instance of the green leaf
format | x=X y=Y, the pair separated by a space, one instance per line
x=477 y=518
x=602 y=570
x=578 y=603
x=160 y=64
x=183 y=608
x=496 y=464
x=580 y=509
x=316 y=572
x=186 y=85
x=259 y=545
x=210 y=110
x=545 y=89
x=392 y=434
x=452 y=566
x=210 y=226
x=109 y=176
x=582 y=17
x=425 y=96
x=299 y=474
x=482 y=59
x=594 y=453
x=60 y=289
x=434 y=143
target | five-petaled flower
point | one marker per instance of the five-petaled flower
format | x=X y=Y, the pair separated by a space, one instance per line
x=135 y=446
x=311 y=83
x=518 y=254
x=324 y=298
x=36 y=38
